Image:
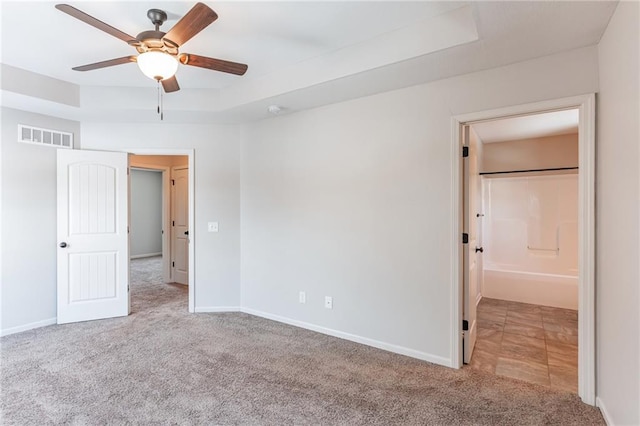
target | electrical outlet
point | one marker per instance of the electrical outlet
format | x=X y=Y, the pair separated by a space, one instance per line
x=212 y=226
x=302 y=297
x=328 y=302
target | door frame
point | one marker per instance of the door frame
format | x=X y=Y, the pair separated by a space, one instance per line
x=190 y=153
x=586 y=227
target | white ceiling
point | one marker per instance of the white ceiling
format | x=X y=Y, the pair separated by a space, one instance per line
x=300 y=54
x=268 y=36
x=528 y=126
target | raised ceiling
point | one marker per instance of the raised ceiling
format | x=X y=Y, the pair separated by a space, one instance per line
x=292 y=48
x=269 y=36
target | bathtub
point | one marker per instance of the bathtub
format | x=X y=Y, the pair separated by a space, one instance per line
x=560 y=291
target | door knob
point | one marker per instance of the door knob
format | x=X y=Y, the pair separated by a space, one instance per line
x=186 y=232
x=479 y=249
x=63 y=244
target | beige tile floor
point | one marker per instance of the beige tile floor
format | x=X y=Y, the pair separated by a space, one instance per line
x=538 y=344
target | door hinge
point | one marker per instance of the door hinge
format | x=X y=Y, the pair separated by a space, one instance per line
x=465 y=325
x=173 y=223
x=173 y=182
x=128 y=232
x=173 y=264
x=465 y=238
x=465 y=151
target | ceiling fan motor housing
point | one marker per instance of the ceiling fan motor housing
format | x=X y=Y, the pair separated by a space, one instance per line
x=153 y=40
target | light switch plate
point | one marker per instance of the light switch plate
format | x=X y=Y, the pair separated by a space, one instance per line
x=213 y=227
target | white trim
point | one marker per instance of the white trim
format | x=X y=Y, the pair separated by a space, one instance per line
x=141 y=256
x=456 y=289
x=192 y=211
x=207 y=309
x=586 y=226
x=478 y=298
x=605 y=413
x=435 y=359
x=27 y=327
x=586 y=254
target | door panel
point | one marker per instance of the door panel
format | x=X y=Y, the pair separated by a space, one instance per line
x=92 y=276
x=180 y=226
x=93 y=241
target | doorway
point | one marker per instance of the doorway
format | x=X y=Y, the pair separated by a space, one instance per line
x=159 y=217
x=585 y=106
x=523 y=245
x=178 y=248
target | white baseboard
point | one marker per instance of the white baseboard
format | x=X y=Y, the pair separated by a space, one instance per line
x=478 y=298
x=354 y=338
x=140 y=256
x=30 y=326
x=604 y=412
x=205 y=309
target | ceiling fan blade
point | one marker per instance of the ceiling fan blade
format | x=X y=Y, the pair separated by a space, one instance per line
x=104 y=64
x=170 y=84
x=88 y=19
x=213 y=64
x=196 y=20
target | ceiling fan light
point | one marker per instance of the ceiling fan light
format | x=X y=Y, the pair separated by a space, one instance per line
x=157 y=65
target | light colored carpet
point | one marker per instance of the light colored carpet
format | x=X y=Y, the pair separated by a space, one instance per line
x=162 y=365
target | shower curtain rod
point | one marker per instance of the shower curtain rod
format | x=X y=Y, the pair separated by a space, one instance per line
x=529 y=171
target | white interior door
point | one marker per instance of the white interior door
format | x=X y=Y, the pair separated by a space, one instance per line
x=472 y=271
x=180 y=226
x=93 y=241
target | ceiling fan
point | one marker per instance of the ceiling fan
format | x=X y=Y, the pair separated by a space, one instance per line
x=158 y=52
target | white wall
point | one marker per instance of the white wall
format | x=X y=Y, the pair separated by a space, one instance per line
x=353 y=201
x=217 y=195
x=618 y=213
x=28 y=277
x=145 y=212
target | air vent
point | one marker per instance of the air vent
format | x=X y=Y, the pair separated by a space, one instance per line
x=46 y=137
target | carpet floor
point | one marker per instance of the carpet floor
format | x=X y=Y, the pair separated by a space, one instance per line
x=162 y=365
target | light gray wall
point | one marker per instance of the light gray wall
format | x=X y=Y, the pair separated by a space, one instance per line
x=145 y=235
x=618 y=216
x=354 y=201
x=217 y=195
x=28 y=239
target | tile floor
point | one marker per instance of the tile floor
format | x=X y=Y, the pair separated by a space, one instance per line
x=538 y=344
